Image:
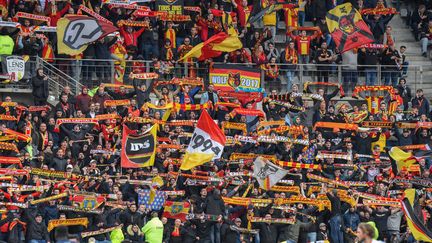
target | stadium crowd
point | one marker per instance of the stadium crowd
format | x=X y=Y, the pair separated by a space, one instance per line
x=62 y=179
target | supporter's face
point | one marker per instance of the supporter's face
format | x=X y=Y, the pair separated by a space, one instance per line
x=129 y=29
x=194 y=31
x=38 y=8
x=203 y=192
x=291 y=45
x=187 y=41
x=43 y=127
x=60 y=153
x=133 y=208
x=39 y=219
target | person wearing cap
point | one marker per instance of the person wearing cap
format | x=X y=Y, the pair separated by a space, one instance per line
x=322 y=234
x=153 y=230
x=228 y=231
x=406 y=138
x=37 y=231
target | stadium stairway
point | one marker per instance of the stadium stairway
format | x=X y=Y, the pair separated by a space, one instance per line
x=420 y=69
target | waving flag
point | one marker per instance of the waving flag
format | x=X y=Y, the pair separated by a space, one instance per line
x=214 y=46
x=207 y=143
x=75 y=32
x=151 y=202
x=348 y=28
x=401 y=160
x=267 y=173
x=414 y=216
x=176 y=210
x=138 y=150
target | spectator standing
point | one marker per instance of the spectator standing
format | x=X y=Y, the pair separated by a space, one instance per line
x=153 y=229
x=40 y=88
x=390 y=59
x=323 y=60
x=369 y=58
x=421 y=103
x=350 y=73
x=290 y=58
x=404 y=92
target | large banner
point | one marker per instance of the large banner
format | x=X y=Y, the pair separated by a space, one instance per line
x=229 y=77
x=172 y=7
x=347 y=27
x=76 y=32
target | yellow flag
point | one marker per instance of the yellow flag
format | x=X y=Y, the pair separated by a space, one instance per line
x=191 y=160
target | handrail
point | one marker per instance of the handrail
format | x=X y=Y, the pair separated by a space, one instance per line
x=68 y=80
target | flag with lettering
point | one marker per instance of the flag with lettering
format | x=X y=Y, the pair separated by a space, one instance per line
x=267 y=173
x=138 y=150
x=207 y=143
x=76 y=32
x=347 y=27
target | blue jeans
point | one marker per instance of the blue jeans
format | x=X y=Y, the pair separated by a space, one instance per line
x=301 y=18
x=349 y=80
x=215 y=233
x=390 y=75
x=328 y=39
x=336 y=233
x=405 y=67
x=371 y=76
x=424 y=44
x=290 y=78
x=37 y=241
x=311 y=236
x=179 y=41
x=147 y=49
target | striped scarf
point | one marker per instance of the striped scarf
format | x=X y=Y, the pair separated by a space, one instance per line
x=291 y=55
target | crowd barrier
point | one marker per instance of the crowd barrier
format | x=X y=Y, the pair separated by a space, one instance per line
x=91 y=72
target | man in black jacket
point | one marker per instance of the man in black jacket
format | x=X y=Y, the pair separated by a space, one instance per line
x=268 y=232
x=40 y=88
x=37 y=230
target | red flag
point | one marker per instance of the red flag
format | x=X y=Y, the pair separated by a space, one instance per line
x=176 y=210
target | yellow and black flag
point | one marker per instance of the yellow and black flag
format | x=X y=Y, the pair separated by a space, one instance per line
x=347 y=27
x=414 y=216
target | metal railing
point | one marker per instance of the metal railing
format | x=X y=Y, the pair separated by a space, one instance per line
x=91 y=72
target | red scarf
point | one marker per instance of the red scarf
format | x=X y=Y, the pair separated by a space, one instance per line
x=169 y=53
